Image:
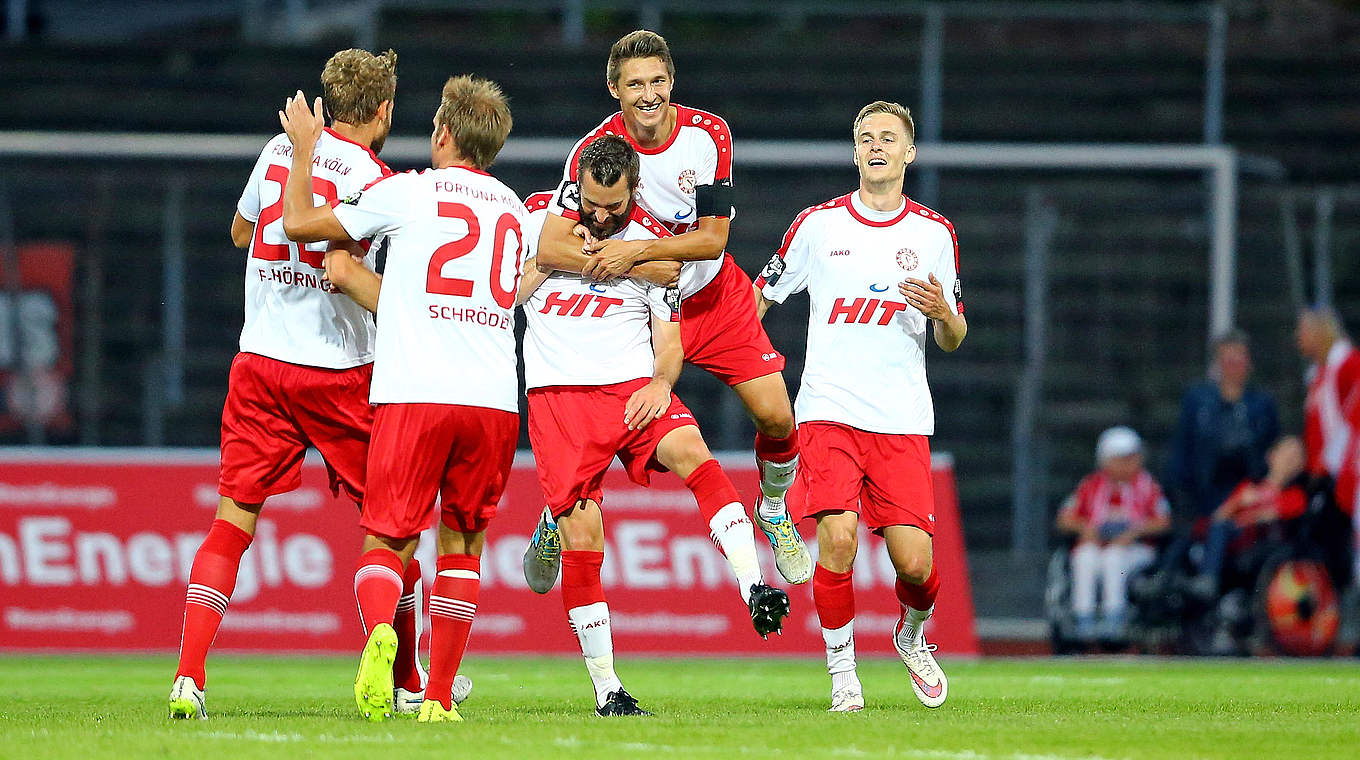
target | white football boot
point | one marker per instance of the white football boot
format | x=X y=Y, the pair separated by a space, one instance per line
x=187 y=700
x=927 y=680
x=408 y=702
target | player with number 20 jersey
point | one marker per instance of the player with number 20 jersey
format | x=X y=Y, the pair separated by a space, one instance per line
x=444 y=380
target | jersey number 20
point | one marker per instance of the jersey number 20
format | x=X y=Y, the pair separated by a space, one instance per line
x=436 y=282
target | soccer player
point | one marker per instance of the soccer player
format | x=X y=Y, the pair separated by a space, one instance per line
x=584 y=412
x=444 y=379
x=864 y=408
x=302 y=376
x=686 y=185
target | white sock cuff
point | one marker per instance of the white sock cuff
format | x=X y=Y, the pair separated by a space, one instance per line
x=471 y=575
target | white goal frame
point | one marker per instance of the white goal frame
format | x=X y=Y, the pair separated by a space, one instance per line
x=1220 y=163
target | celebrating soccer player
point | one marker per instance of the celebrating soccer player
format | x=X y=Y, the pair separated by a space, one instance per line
x=879 y=269
x=444 y=379
x=584 y=412
x=686 y=185
x=302 y=377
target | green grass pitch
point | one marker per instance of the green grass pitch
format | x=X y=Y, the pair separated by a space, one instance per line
x=82 y=707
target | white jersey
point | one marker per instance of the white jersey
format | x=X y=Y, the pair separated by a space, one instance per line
x=865 y=364
x=698 y=153
x=293 y=313
x=537 y=205
x=446 y=311
x=579 y=332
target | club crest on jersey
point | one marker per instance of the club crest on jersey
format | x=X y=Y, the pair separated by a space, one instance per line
x=773 y=269
x=686 y=181
x=907 y=259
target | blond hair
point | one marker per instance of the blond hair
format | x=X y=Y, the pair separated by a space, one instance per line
x=883 y=106
x=638 y=44
x=355 y=82
x=477 y=116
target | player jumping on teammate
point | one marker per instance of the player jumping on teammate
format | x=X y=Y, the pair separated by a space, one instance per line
x=444 y=379
x=583 y=413
x=686 y=185
x=864 y=408
x=302 y=377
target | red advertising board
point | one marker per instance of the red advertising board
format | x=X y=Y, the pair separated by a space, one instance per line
x=36 y=325
x=96 y=545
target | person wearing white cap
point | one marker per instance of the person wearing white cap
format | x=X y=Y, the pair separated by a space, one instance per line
x=1112 y=512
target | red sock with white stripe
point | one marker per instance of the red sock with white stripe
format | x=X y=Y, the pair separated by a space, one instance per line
x=377 y=587
x=453 y=604
x=211 y=581
x=583 y=598
x=406 y=671
x=777 y=462
x=728 y=523
x=918 y=602
x=834 y=596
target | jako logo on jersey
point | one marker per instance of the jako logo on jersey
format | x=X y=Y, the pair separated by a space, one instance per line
x=686 y=181
x=861 y=311
x=841 y=252
x=576 y=304
x=769 y=357
x=876 y=288
x=907 y=259
x=681 y=416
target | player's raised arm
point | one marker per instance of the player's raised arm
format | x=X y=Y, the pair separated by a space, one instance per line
x=304 y=222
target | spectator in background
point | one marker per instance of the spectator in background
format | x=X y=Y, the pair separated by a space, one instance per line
x=1112 y=513
x=1225 y=428
x=1252 y=508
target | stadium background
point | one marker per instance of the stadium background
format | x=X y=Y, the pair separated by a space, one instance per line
x=1126 y=287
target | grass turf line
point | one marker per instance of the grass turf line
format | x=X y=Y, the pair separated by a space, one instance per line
x=79 y=707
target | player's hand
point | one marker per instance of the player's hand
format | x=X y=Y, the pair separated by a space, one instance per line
x=646 y=404
x=610 y=259
x=926 y=297
x=580 y=231
x=663 y=273
x=302 y=125
x=1124 y=539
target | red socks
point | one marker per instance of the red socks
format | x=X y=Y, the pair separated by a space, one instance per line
x=834 y=596
x=778 y=450
x=377 y=587
x=453 y=603
x=581 y=578
x=919 y=597
x=711 y=488
x=211 y=581
x=406 y=671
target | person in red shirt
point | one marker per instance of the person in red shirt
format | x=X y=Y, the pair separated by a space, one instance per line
x=1253 y=505
x=1112 y=512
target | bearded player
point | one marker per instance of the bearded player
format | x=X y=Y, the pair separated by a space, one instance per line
x=444 y=378
x=302 y=376
x=880 y=270
x=686 y=185
x=584 y=412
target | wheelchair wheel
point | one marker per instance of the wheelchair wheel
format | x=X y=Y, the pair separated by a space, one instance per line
x=1297 y=602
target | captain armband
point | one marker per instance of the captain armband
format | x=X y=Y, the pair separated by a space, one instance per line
x=714 y=200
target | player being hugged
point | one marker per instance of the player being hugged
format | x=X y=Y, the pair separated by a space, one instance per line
x=686 y=185
x=879 y=269
x=600 y=360
x=444 y=378
x=302 y=376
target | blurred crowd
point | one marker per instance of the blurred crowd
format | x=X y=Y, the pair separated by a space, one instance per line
x=1245 y=544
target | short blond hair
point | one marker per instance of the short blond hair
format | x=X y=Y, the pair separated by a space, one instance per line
x=883 y=106
x=638 y=44
x=477 y=116
x=355 y=82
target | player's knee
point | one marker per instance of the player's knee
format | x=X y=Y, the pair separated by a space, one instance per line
x=837 y=548
x=914 y=569
x=776 y=425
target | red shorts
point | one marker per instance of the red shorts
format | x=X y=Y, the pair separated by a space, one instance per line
x=462 y=454
x=275 y=410
x=577 y=430
x=721 y=333
x=885 y=478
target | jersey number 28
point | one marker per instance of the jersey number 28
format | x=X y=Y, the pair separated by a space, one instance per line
x=284 y=251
